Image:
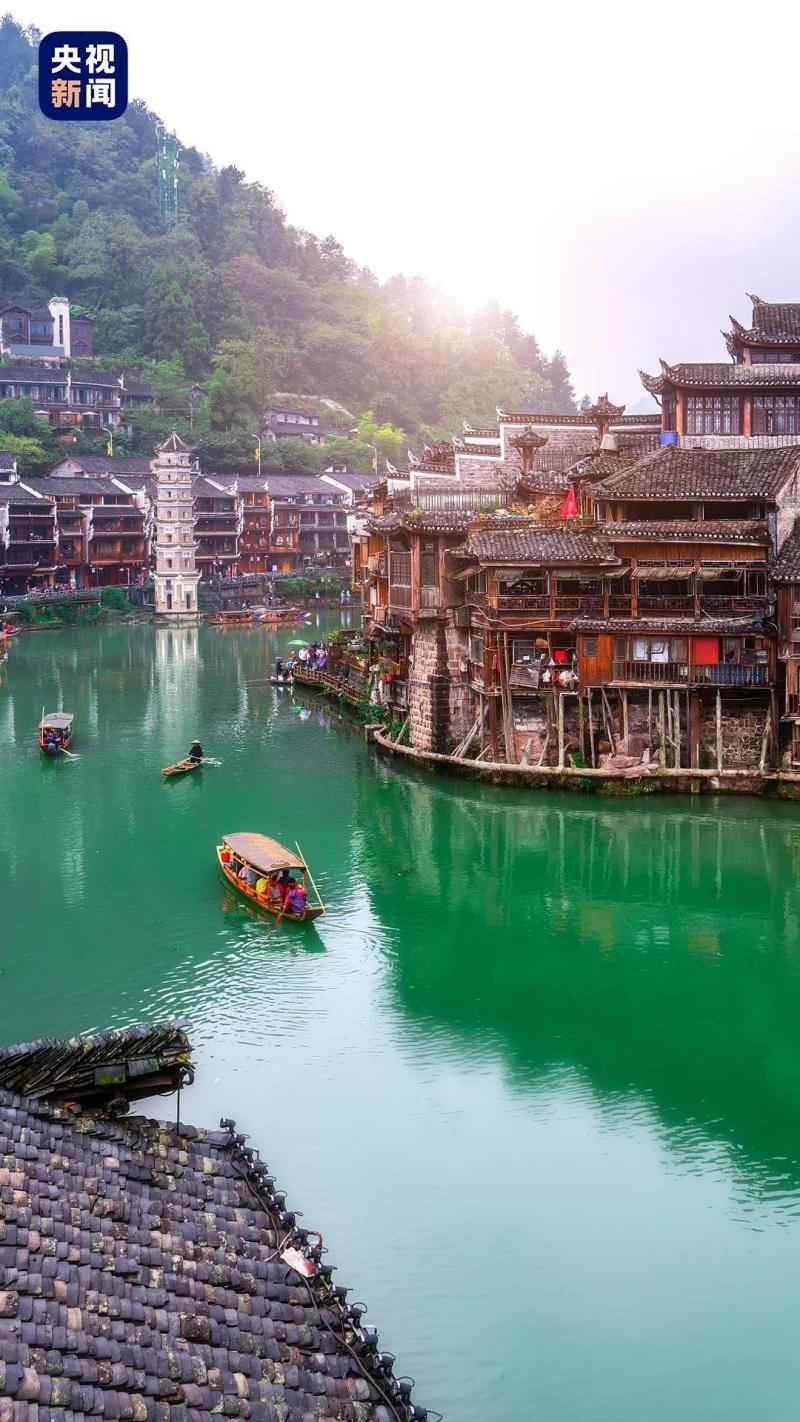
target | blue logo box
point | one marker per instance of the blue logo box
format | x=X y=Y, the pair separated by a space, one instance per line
x=83 y=74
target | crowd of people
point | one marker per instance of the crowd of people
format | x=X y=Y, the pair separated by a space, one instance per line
x=312 y=657
x=281 y=891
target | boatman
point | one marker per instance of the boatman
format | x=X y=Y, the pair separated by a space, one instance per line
x=195 y=751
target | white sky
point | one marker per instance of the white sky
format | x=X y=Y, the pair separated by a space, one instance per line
x=618 y=174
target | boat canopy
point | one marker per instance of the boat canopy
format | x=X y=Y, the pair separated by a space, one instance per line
x=262 y=853
x=57 y=720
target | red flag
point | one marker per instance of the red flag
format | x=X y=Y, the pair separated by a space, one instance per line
x=569 y=508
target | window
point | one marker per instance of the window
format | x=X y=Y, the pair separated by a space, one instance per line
x=776 y=414
x=523 y=649
x=590 y=646
x=476 y=582
x=713 y=414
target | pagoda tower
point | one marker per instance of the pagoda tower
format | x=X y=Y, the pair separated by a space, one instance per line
x=175 y=576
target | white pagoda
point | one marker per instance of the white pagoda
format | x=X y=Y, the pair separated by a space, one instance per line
x=175 y=576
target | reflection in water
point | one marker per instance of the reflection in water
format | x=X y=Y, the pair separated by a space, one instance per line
x=653 y=949
x=535 y=1072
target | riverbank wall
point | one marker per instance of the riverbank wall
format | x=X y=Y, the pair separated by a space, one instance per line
x=777 y=784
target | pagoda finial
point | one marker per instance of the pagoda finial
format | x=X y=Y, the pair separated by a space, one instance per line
x=756 y=300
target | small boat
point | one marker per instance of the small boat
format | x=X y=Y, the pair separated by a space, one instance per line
x=181 y=766
x=281 y=681
x=55 y=732
x=267 y=857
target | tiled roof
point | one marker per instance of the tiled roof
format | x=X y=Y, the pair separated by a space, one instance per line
x=774 y=323
x=17 y=494
x=545 y=481
x=673 y=473
x=722 y=374
x=422 y=521
x=689 y=531
x=150 y=1272
x=481 y=431
x=699 y=625
x=786 y=568
x=287 y=485
x=108 y=464
x=647 y=421
x=140 y=388
x=76 y=484
x=56 y=375
x=7 y=462
x=536 y=543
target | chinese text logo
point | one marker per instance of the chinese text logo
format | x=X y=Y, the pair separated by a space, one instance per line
x=83 y=74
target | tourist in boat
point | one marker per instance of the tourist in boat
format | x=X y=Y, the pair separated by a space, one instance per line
x=279 y=668
x=195 y=751
x=295 y=901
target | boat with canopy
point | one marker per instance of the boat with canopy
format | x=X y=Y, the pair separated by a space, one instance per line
x=269 y=876
x=55 y=732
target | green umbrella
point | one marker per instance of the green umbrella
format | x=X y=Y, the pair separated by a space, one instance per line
x=297 y=642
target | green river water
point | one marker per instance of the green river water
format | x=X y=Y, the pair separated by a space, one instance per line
x=536 y=1074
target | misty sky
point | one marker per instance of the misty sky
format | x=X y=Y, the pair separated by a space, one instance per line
x=619 y=175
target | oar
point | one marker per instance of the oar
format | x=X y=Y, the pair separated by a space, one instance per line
x=310 y=875
x=71 y=754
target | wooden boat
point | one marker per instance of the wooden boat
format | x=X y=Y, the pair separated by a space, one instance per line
x=277 y=615
x=268 y=858
x=280 y=681
x=181 y=766
x=55 y=732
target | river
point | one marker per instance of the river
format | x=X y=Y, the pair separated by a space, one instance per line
x=536 y=1074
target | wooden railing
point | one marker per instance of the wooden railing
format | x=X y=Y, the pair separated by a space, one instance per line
x=679 y=673
x=731 y=674
x=652 y=673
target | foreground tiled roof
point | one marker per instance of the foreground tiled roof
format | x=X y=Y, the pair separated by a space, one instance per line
x=673 y=473
x=144 y=1276
x=689 y=531
x=786 y=568
x=536 y=543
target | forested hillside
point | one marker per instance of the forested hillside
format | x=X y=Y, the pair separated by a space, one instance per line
x=232 y=296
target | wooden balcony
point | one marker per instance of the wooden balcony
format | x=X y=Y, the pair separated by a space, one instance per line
x=680 y=674
x=652 y=673
x=731 y=674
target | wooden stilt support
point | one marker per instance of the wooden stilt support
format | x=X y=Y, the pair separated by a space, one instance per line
x=608 y=721
x=762 y=759
x=590 y=710
x=560 y=704
x=581 y=729
x=719 y=731
x=624 y=699
x=650 y=717
x=662 y=732
x=677 y=730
